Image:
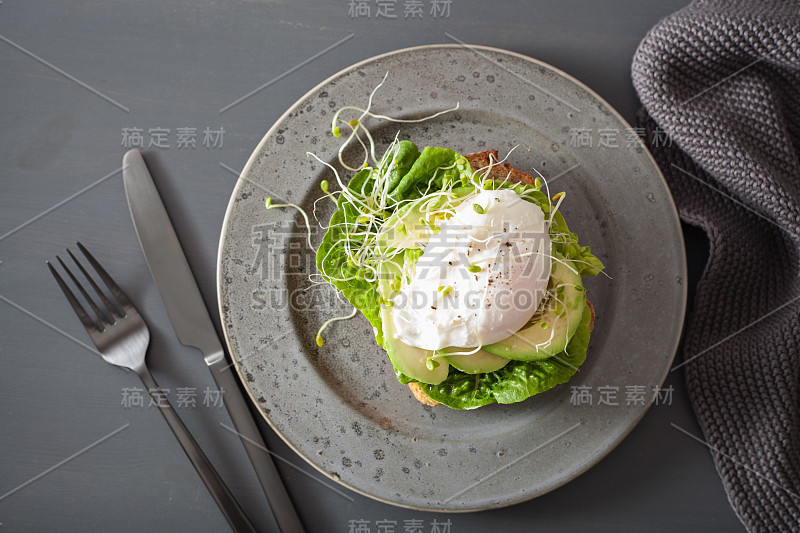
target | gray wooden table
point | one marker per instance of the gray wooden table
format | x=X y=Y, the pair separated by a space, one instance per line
x=81 y=82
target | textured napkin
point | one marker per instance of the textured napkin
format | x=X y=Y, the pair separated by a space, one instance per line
x=720 y=85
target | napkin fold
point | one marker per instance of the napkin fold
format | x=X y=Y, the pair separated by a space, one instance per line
x=720 y=86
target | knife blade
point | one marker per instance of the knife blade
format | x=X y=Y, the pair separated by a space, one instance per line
x=192 y=323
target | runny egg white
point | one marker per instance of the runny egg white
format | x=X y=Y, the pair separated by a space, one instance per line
x=480 y=278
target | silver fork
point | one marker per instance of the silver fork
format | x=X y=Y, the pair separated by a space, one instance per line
x=122 y=337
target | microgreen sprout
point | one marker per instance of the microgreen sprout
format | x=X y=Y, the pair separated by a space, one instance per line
x=269 y=205
x=451 y=351
x=334 y=319
x=357 y=125
x=444 y=290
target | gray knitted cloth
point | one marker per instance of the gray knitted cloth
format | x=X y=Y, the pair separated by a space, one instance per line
x=723 y=80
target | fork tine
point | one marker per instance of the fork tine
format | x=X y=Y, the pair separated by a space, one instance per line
x=111 y=307
x=102 y=316
x=121 y=297
x=86 y=320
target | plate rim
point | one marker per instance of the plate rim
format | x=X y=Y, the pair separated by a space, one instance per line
x=252 y=160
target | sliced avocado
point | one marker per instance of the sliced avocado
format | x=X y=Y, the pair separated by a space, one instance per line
x=410 y=360
x=387 y=271
x=478 y=362
x=551 y=328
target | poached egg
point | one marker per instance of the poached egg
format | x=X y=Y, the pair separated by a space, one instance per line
x=481 y=277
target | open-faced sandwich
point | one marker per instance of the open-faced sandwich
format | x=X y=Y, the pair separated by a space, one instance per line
x=467 y=272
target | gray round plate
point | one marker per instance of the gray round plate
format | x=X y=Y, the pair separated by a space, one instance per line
x=340 y=407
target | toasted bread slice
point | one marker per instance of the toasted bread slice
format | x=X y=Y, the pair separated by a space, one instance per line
x=420 y=395
x=504 y=171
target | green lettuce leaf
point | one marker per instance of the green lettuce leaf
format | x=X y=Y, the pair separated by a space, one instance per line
x=332 y=260
x=404 y=157
x=424 y=170
x=516 y=381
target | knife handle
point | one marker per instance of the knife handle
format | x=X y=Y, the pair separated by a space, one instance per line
x=279 y=501
x=219 y=491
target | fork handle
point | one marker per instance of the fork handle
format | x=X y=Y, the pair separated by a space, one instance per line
x=219 y=491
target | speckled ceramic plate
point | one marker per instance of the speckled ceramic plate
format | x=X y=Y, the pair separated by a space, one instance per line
x=340 y=406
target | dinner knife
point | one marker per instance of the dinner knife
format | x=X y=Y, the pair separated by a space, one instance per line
x=192 y=323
